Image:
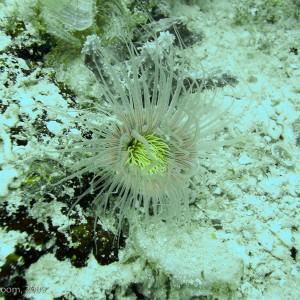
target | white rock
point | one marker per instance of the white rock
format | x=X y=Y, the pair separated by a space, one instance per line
x=274 y=130
x=54 y=127
x=285 y=235
x=5 y=41
x=245 y=159
x=266 y=239
x=280 y=252
x=6 y=178
x=209 y=261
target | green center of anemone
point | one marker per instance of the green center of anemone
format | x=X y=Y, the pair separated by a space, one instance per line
x=153 y=162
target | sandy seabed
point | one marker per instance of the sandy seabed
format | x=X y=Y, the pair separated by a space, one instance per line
x=244 y=238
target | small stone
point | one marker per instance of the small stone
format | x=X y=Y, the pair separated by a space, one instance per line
x=245 y=159
x=285 y=235
x=54 y=127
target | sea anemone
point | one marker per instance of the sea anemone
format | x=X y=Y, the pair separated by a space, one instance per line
x=147 y=134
